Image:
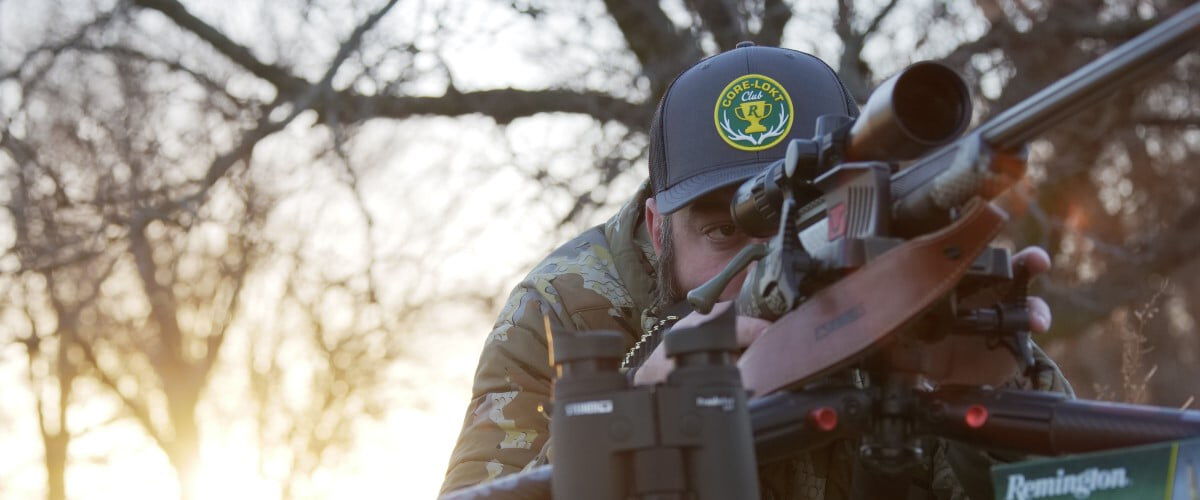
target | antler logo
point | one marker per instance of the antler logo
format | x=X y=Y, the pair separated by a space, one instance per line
x=753 y=113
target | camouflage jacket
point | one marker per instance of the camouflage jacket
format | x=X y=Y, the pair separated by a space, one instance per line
x=604 y=279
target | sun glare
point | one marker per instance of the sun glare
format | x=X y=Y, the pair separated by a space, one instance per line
x=230 y=472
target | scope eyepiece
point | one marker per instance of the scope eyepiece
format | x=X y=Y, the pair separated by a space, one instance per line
x=755 y=205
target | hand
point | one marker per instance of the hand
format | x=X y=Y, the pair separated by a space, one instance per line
x=968 y=359
x=657 y=365
x=1036 y=261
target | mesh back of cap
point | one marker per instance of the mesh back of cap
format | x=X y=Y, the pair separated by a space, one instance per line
x=658 y=155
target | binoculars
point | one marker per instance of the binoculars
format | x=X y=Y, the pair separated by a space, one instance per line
x=687 y=438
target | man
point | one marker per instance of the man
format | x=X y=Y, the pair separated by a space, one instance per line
x=721 y=122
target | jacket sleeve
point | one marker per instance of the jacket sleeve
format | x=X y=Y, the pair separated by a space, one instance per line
x=504 y=429
x=576 y=288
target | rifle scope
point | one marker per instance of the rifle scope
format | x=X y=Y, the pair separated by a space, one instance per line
x=920 y=108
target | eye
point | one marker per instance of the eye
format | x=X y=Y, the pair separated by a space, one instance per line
x=721 y=232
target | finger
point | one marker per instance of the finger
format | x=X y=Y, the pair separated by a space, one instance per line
x=1039 y=315
x=748 y=329
x=655 y=369
x=696 y=318
x=1036 y=260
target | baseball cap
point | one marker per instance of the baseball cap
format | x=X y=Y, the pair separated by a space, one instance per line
x=727 y=117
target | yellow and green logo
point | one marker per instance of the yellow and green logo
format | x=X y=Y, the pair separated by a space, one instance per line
x=753 y=113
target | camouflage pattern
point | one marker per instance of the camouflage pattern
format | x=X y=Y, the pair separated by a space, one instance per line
x=604 y=279
x=601 y=280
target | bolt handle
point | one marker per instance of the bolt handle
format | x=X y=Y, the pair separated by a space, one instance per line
x=705 y=296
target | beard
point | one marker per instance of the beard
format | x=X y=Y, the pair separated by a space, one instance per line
x=667 y=290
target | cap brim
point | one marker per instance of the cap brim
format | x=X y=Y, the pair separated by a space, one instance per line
x=688 y=190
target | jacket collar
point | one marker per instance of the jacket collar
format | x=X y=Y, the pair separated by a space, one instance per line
x=633 y=254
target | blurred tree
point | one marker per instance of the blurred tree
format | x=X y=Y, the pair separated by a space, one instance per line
x=52 y=296
x=99 y=190
x=1113 y=197
x=96 y=183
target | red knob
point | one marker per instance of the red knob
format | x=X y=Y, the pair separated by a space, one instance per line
x=976 y=416
x=823 y=418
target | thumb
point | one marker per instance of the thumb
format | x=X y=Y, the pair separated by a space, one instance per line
x=749 y=329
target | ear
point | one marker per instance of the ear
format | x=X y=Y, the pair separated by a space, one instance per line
x=654 y=224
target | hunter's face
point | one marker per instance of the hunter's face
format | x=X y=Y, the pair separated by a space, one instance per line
x=705 y=240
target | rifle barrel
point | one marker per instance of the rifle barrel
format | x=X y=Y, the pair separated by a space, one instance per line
x=949 y=177
x=1049 y=423
x=1132 y=60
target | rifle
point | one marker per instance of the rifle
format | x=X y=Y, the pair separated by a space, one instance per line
x=841 y=222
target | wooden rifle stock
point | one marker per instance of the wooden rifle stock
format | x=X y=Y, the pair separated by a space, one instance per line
x=840 y=322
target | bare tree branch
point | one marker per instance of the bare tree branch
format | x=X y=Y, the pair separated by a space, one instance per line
x=503 y=105
x=853 y=71
x=660 y=47
x=200 y=78
x=873 y=27
x=722 y=19
x=776 y=14
x=284 y=81
x=56 y=48
x=140 y=412
x=995 y=36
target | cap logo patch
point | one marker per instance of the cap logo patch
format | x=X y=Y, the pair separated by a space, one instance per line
x=753 y=113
